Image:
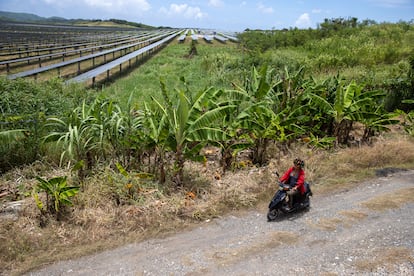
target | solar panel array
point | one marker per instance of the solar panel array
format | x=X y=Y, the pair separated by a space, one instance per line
x=80 y=54
x=92 y=74
x=151 y=38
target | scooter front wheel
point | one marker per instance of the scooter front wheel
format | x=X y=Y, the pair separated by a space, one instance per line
x=273 y=214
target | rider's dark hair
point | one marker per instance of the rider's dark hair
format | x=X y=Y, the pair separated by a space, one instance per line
x=299 y=162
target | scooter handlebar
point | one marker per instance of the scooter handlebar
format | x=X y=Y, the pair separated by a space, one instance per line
x=283 y=186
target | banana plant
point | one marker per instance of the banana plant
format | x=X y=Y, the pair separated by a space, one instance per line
x=257 y=113
x=191 y=123
x=377 y=121
x=58 y=193
x=345 y=109
x=156 y=135
x=373 y=116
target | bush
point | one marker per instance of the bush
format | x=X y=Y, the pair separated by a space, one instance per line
x=400 y=89
x=24 y=107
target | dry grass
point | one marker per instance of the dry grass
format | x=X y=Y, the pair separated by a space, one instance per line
x=354 y=214
x=387 y=201
x=346 y=168
x=104 y=217
x=272 y=240
x=327 y=224
x=346 y=218
x=385 y=257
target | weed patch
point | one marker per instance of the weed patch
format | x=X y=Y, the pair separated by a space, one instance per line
x=385 y=202
x=274 y=239
x=327 y=224
x=384 y=257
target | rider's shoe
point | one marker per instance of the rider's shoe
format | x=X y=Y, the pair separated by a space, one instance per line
x=286 y=208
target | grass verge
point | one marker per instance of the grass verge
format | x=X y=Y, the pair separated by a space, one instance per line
x=104 y=217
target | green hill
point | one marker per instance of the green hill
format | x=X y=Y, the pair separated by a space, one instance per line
x=32 y=18
x=29 y=17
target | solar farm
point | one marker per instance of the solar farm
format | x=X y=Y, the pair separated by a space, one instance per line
x=86 y=54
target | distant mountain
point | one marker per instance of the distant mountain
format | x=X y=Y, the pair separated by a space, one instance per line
x=32 y=18
x=20 y=17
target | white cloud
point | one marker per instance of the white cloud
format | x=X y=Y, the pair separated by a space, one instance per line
x=262 y=8
x=183 y=10
x=120 y=5
x=303 y=21
x=99 y=3
x=215 y=3
x=391 y=3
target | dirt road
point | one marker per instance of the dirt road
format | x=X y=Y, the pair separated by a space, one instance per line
x=353 y=232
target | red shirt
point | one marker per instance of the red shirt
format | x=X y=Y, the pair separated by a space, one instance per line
x=300 y=183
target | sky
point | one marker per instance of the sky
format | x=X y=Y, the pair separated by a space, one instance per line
x=229 y=15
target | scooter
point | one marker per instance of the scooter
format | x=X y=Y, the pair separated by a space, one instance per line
x=279 y=204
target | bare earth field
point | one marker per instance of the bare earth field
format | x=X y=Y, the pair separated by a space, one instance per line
x=368 y=230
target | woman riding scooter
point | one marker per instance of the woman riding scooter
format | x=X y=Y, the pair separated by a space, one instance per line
x=295 y=178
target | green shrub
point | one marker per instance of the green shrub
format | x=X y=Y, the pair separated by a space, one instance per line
x=401 y=89
x=24 y=106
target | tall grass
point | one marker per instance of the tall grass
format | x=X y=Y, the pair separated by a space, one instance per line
x=374 y=54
